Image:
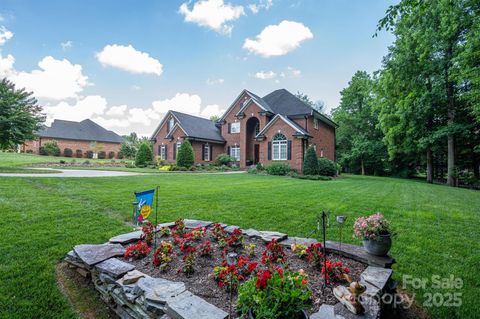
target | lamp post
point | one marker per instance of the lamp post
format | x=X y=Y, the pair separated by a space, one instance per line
x=231 y=260
x=341 y=220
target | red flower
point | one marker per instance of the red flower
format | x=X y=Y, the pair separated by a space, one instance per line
x=251 y=266
x=263 y=277
x=280 y=271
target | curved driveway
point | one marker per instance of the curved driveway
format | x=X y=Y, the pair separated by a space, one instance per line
x=73 y=173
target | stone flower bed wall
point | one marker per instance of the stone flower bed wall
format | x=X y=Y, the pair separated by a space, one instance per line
x=133 y=294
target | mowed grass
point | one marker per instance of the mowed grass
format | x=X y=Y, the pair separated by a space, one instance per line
x=43 y=218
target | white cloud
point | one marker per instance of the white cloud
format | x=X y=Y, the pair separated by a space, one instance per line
x=129 y=59
x=215 y=81
x=55 y=80
x=291 y=73
x=84 y=108
x=117 y=110
x=182 y=102
x=5 y=35
x=265 y=75
x=277 y=40
x=211 y=110
x=262 y=4
x=135 y=87
x=213 y=14
x=66 y=45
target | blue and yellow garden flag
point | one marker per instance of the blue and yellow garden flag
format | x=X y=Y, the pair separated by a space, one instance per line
x=145 y=204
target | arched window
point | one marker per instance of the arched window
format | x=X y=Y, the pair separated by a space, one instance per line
x=279 y=147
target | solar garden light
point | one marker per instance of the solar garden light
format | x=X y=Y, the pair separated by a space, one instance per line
x=341 y=220
x=231 y=260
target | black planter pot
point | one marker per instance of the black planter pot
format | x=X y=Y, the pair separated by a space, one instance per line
x=302 y=315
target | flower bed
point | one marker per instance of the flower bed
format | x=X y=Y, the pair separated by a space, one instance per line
x=210 y=277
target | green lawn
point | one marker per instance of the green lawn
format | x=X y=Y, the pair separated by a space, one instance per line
x=43 y=218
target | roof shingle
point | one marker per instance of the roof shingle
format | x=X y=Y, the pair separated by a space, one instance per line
x=86 y=130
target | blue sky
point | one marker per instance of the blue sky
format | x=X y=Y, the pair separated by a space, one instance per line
x=192 y=56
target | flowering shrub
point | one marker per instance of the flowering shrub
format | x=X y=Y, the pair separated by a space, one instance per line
x=218 y=232
x=187 y=245
x=273 y=253
x=273 y=293
x=162 y=258
x=205 y=249
x=188 y=264
x=250 y=250
x=228 y=277
x=235 y=239
x=139 y=250
x=315 y=255
x=335 y=271
x=245 y=266
x=299 y=250
x=179 y=228
x=198 y=233
x=148 y=232
x=165 y=231
x=371 y=227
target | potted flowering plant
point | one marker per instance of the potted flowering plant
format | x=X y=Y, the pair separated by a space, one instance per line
x=376 y=233
x=274 y=294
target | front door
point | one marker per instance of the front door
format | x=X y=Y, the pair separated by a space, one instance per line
x=256 y=153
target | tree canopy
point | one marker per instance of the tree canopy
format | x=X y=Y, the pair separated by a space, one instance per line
x=20 y=115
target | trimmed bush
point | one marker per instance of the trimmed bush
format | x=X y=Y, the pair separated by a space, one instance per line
x=79 y=153
x=51 y=148
x=314 y=177
x=310 y=164
x=259 y=167
x=111 y=155
x=42 y=151
x=278 y=169
x=185 y=156
x=102 y=155
x=326 y=167
x=67 y=152
x=144 y=155
x=29 y=151
x=224 y=159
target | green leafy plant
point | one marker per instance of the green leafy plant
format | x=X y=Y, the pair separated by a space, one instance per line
x=299 y=250
x=273 y=294
x=67 y=152
x=315 y=255
x=188 y=266
x=162 y=257
x=51 y=148
x=185 y=156
x=224 y=159
x=310 y=164
x=278 y=169
x=372 y=227
x=165 y=231
x=326 y=167
x=144 y=155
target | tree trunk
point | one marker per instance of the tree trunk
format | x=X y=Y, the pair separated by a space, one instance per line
x=363 y=168
x=451 y=120
x=429 y=166
x=476 y=164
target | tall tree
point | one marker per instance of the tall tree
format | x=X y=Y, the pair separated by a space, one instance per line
x=359 y=140
x=422 y=101
x=318 y=105
x=20 y=115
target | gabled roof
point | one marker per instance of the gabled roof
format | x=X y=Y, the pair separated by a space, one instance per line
x=193 y=127
x=298 y=129
x=255 y=98
x=86 y=130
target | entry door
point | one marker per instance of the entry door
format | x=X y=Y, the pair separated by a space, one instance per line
x=256 y=153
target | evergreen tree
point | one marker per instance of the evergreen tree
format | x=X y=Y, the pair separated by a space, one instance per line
x=310 y=164
x=185 y=156
x=144 y=155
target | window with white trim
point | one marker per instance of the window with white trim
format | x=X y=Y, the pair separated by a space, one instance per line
x=279 y=147
x=163 y=153
x=235 y=152
x=178 y=145
x=171 y=124
x=206 y=152
x=235 y=127
x=315 y=124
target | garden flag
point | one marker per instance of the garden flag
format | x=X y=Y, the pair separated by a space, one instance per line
x=145 y=203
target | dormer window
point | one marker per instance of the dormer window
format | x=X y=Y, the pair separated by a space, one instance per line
x=315 y=123
x=171 y=123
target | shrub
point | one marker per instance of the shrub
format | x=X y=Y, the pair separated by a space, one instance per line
x=278 y=169
x=310 y=164
x=314 y=177
x=102 y=155
x=29 y=151
x=89 y=154
x=185 y=156
x=326 y=167
x=79 y=153
x=111 y=154
x=51 y=148
x=259 y=166
x=127 y=150
x=42 y=151
x=62 y=162
x=224 y=159
x=67 y=152
x=144 y=155
x=274 y=294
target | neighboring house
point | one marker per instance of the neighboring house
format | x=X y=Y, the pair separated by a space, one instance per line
x=276 y=128
x=80 y=137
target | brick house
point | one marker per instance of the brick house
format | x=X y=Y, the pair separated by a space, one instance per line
x=276 y=128
x=80 y=137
